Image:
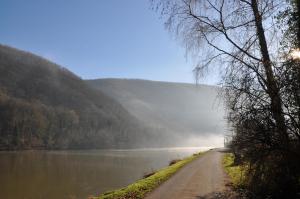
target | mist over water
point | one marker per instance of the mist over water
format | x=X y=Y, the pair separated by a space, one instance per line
x=79 y=174
x=179 y=114
x=204 y=140
x=112 y=113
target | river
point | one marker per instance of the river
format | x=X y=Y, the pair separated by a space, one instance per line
x=78 y=174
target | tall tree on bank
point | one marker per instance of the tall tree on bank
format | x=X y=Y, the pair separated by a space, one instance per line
x=297 y=21
x=235 y=33
x=241 y=37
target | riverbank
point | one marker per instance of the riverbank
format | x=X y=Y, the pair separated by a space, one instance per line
x=140 y=188
x=81 y=173
x=202 y=178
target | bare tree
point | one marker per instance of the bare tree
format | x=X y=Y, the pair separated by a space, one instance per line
x=235 y=32
x=242 y=39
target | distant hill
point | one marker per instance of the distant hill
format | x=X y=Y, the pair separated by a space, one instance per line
x=43 y=105
x=183 y=111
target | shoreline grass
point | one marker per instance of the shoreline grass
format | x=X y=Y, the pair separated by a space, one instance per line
x=235 y=172
x=140 y=188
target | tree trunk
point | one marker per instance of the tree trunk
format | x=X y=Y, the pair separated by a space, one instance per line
x=298 y=22
x=272 y=87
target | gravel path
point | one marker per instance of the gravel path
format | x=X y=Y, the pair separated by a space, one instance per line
x=200 y=179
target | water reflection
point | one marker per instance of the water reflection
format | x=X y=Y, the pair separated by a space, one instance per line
x=78 y=174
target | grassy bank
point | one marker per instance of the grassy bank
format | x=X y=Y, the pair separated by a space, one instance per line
x=235 y=172
x=140 y=188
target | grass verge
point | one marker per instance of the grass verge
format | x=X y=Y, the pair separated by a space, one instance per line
x=235 y=172
x=139 y=189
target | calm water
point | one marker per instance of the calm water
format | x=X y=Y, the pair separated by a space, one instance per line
x=78 y=174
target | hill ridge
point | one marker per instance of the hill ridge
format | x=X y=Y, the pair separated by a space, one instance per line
x=45 y=105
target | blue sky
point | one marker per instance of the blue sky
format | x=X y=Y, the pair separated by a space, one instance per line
x=97 y=38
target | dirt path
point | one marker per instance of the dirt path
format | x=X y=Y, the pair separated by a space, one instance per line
x=199 y=179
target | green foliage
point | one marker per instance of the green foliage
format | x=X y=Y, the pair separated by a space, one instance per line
x=140 y=188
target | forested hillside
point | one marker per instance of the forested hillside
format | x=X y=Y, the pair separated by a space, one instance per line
x=186 y=112
x=43 y=105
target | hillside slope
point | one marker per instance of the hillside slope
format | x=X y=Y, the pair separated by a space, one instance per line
x=44 y=105
x=184 y=111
